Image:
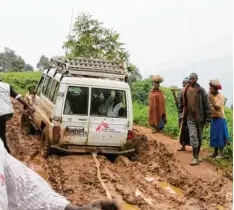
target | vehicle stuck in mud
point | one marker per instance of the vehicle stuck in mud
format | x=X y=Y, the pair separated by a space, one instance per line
x=82 y=105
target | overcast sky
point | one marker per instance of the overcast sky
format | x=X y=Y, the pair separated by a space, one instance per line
x=159 y=34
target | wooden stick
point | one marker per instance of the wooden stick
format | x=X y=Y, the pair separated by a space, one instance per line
x=108 y=195
x=178 y=141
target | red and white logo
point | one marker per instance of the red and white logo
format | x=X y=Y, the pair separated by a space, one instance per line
x=102 y=127
x=2 y=179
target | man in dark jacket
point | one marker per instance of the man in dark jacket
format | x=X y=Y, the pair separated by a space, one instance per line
x=196 y=107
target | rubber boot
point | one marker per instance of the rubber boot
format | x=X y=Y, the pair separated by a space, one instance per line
x=199 y=158
x=195 y=160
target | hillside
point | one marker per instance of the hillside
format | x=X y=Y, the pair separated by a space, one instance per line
x=22 y=80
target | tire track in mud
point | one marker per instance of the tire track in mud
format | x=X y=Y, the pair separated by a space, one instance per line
x=142 y=183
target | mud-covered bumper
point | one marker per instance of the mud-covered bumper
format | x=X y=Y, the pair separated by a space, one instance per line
x=89 y=149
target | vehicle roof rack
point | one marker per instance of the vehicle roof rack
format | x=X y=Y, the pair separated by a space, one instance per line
x=90 y=68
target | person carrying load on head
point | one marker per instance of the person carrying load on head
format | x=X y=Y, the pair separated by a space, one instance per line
x=157 y=107
x=219 y=136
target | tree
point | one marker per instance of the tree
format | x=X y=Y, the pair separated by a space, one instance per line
x=9 y=60
x=225 y=101
x=28 y=67
x=43 y=63
x=91 y=39
x=134 y=74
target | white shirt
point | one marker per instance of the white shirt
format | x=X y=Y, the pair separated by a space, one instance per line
x=23 y=189
x=6 y=92
x=114 y=111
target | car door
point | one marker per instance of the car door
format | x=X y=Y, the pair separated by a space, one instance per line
x=75 y=117
x=108 y=117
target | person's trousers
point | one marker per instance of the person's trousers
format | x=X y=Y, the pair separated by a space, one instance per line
x=3 y=121
x=195 y=133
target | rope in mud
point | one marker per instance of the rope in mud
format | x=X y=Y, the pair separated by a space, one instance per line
x=108 y=195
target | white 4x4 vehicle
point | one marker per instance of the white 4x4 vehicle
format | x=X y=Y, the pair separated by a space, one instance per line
x=82 y=105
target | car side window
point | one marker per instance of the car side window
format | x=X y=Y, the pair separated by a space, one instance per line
x=77 y=100
x=40 y=85
x=108 y=103
x=53 y=91
x=46 y=86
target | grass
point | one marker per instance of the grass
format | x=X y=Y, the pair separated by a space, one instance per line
x=21 y=80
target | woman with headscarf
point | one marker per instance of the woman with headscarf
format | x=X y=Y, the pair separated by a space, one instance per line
x=218 y=129
x=157 y=107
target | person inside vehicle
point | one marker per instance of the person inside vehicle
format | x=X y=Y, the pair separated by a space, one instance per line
x=98 y=99
x=23 y=189
x=6 y=108
x=77 y=101
x=116 y=108
x=104 y=106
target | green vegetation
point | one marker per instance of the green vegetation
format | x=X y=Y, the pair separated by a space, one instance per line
x=91 y=39
x=21 y=80
x=140 y=89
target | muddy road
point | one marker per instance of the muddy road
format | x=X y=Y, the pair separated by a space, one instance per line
x=151 y=181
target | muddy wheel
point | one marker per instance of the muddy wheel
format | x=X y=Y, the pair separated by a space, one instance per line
x=26 y=126
x=45 y=149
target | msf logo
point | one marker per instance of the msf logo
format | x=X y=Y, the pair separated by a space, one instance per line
x=102 y=127
x=2 y=179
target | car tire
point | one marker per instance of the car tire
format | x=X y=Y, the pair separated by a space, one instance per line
x=26 y=126
x=45 y=149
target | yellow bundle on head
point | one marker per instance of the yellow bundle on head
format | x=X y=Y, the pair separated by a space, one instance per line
x=157 y=79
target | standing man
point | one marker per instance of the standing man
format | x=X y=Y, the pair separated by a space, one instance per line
x=6 y=108
x=195 y=103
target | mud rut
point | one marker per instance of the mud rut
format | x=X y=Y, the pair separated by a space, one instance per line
x=152 y=181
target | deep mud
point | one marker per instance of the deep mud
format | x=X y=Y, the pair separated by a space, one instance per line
x=153 y=180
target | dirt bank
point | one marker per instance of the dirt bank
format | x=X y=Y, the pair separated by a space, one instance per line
x=152 y=181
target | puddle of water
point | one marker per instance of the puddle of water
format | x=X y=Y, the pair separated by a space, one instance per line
x=219 y=207
x=170 y=188
x=165 y=186
x=43 y=174
x=126 y=206
x=36 y=166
